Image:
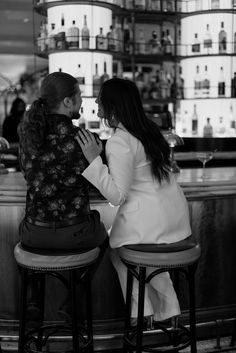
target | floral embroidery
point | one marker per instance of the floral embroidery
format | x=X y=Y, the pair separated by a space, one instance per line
x=55 y=188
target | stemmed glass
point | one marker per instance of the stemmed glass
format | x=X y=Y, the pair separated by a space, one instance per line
x=204 y=157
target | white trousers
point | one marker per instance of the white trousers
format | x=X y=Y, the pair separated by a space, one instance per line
x=160 y=297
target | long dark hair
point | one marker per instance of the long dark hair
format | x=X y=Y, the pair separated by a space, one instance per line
x=55 y=87
x=120 y=99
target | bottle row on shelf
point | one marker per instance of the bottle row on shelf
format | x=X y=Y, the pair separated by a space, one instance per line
x=203 y=88
x=118 y=39
x=201 y=125
x=163 y=81
x=167 y=5
x=159 y=82
x=220 y=45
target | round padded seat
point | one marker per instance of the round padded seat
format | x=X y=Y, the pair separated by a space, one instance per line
x=66 y=261
x=177 y=254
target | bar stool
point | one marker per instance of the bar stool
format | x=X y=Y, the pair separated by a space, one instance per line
x=38 y=265
x=177 y=257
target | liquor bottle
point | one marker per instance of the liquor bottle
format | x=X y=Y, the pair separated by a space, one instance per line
x=196 y=44
x=129 y=4
x=141 y=45
x=197 y=84
x=222 y=40
x=154 y=5
x=105 y=75
x=232 y=121
x=215 y=4
x=194 y=121
x=235 y=43
x=233 y=86
x=206 y=84
x=72 y=37
x=61 y=35
x=96 y=82
x=221 y=83
x=39 y=40
x=207 y=42
x=80 y=76
x=42 y=37
x=154 y=44
x=82 y=121
x=179 y=46
x=180 y=85
x=185 y=124
x=101 y=40
x=221 y=128
x=198 y=5
x=169 y=43
x=52 y=38
x=85 y=34
x=163 y=42
x=139 y=80
x=127 y=37
x=94 y=123
x=140 y=4
x=164 y=85
x=208 y=129
x=119 y=35
x=168 y=5
x=111 y=39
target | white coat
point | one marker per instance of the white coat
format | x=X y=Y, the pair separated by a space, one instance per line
x=149 y=212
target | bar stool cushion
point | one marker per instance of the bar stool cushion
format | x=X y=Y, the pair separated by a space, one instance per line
x=46 y=262
x=182 y=253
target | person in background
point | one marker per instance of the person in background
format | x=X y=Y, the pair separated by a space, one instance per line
x=208 y=129
x=152 y=206
x=11 y=122
x=57 y=214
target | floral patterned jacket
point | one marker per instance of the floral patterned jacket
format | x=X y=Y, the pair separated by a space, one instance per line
x=56 y=190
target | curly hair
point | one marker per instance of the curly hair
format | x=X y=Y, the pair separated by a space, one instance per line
x=121 y=100
x=55 y=87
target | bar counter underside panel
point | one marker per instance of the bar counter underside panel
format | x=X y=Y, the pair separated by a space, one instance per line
x=212 y=205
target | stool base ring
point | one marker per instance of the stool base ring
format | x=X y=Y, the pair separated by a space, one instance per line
x=175 y=337
x=41 y=336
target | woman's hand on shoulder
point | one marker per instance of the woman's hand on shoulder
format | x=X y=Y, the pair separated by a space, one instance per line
x=90 y=146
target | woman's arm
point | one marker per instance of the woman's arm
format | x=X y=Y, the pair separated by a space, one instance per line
x=114 y=180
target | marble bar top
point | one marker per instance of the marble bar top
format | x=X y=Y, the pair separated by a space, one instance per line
x=219 y=181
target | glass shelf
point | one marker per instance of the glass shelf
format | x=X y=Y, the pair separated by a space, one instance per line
x=41 y=8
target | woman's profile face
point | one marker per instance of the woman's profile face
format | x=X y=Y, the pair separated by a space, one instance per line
x=100 y=114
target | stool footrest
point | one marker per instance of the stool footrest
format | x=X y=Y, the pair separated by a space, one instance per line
x=177 y=339
x=46 y=333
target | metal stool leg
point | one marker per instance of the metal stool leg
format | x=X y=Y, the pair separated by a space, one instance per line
x=192 y=313
x=41 y=278
x=75 y=333
x=141 y=293
x=128 y=307
x=233 y=338
x=89 y=312
x=22 y=316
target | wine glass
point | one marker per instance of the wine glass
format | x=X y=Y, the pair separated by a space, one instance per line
x=204 y=157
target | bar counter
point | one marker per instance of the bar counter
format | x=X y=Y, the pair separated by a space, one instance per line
x=212 y=205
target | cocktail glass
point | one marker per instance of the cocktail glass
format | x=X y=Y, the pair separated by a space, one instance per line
x=204 y=157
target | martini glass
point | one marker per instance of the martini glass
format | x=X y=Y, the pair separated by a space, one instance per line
x=204 y=157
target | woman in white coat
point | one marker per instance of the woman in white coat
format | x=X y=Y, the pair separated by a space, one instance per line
x=152 y=206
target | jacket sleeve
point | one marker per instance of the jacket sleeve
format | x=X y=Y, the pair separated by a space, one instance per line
x=114 y=180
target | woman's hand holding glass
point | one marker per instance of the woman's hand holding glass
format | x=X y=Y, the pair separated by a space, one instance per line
x=90 y=146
